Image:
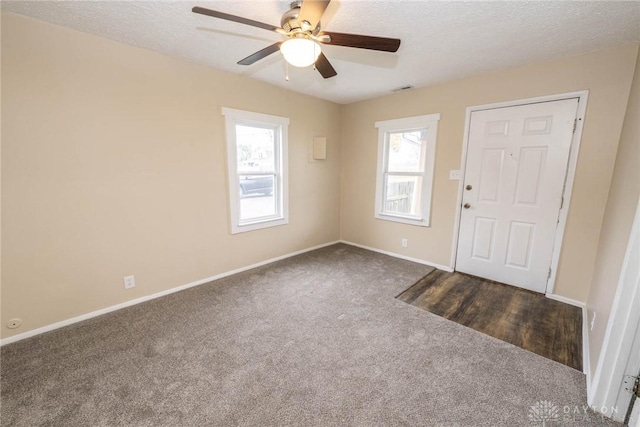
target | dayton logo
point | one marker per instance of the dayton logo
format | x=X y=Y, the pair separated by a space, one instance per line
x=544 y=413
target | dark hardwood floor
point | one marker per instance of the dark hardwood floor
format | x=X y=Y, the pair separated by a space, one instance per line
x=527 y=319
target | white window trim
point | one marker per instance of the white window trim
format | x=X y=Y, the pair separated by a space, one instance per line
x=233 y=117
x=429 y=122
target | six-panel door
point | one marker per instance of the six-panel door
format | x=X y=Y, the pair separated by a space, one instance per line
x=515 y=172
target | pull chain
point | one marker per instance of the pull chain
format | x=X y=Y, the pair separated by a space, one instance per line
x=286 y=73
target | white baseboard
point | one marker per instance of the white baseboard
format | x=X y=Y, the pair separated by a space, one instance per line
x=395 y=255
x=566 y=300
x=106 y=310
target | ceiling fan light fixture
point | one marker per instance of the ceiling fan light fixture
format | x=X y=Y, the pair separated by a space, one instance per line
x=300 y=52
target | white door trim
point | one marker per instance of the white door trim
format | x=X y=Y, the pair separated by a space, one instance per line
x=623 y=331
x=571 y=170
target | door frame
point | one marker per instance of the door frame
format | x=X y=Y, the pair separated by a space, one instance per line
x=569 y=179
x=623 y=330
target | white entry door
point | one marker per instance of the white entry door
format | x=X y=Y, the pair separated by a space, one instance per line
x=512 y=193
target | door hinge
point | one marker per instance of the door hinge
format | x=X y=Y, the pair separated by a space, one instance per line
x=562 y=202
x=632 y=385
x=575 y=125
x=549 y=274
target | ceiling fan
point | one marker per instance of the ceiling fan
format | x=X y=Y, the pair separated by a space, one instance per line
x=301 y=26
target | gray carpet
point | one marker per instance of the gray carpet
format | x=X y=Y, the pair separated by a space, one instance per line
x=314 y=340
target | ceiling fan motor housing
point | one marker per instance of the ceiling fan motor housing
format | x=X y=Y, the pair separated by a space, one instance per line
x=289 y=21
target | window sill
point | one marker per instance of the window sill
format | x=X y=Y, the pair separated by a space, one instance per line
x=419 y=222
x=257 y=225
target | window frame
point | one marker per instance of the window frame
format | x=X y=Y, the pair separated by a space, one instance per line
x=280 y=125
x=385 y=128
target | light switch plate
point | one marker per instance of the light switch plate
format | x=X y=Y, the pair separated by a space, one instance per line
x=455 y=174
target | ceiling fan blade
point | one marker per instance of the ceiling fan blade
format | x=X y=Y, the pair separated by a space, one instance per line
x=361 y=42
x=312 y=10
x=260 y=54
x=324 y=67
x=239 y=19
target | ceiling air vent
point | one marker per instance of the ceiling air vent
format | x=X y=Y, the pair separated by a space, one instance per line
x=400 y=89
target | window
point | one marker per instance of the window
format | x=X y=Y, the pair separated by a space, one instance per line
x=257 y=165
x=406 y=153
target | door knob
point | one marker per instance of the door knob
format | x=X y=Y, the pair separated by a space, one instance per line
x=466 y=206
x=469 y=187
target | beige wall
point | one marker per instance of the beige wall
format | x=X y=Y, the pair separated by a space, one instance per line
x=618 y=219
x=606 y=74
x=114 y=164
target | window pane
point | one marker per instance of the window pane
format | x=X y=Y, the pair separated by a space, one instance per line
x=255 y=149
x=257 y=197
x=405 y=151
x=402 y=195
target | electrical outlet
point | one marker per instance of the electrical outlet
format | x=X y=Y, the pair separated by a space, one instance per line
x=593 y=320
x=129 y=282
x=14 y=323
x=405 y=243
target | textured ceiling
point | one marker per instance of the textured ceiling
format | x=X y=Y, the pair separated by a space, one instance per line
x=440 y=40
